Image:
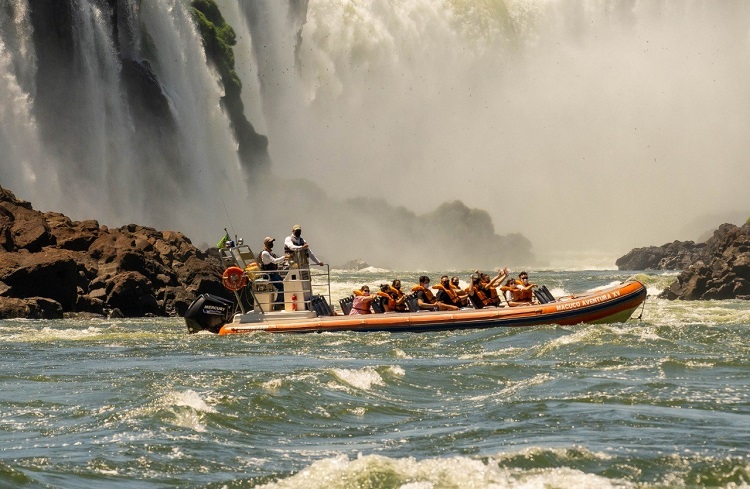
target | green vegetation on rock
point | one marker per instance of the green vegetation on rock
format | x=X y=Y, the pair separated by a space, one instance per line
x=218 y=39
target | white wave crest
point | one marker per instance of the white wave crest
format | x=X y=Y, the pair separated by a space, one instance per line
x=408 y=473
x=363 y=378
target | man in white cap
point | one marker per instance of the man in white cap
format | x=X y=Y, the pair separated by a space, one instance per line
x=270 y=262
x=295 y=243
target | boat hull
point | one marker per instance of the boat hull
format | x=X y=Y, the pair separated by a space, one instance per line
x=609 y=305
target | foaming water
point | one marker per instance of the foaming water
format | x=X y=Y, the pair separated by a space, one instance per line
x=651 y=403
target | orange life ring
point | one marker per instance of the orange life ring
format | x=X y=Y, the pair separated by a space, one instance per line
x=233 y=278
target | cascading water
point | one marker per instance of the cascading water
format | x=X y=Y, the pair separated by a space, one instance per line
x=19 y=138
x=208 y=154
x=74 y=137
x=568 y=121
x=549 y=114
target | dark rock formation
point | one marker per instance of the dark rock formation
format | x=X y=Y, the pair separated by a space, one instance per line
x=723 y=270
x=677 y=255
x=50 y=265
x=356 y=264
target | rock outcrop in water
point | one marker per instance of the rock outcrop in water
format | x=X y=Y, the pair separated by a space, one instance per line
x=677 y=255
x=716 y=269
x=51 y=265
x=722 y=272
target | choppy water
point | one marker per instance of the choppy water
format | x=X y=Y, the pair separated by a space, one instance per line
x=661 y=402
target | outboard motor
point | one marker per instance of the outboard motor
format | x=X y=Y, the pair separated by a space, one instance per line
x=208 y=313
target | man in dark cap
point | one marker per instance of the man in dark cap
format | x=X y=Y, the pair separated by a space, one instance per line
x=270 y=262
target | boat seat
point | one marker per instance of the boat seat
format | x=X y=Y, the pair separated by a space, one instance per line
x=346 y=304
x=377 y=305
x=543 y=295
x=320 y=306
x=412 y=303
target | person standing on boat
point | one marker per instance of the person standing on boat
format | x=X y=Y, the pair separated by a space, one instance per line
x=270 y=262
x=294 y=242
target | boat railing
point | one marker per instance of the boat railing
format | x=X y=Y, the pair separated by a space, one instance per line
x=288 y=289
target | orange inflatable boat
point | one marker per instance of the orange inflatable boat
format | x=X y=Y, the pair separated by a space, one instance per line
x=290 y=306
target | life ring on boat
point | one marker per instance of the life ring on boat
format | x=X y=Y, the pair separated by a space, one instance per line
x=234 y=278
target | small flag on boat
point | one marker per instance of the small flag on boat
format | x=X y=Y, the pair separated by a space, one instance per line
x=223 y=240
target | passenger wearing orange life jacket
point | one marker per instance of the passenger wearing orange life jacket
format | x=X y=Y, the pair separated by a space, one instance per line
x=490 y=286
x=479 y=297
x=399 y=298
x=507 y=290
x=523 y=294
x=482 y=291
x=445 y=293
x=362 y=301
x=388 y=303
x=427 y=300
x=463 y=295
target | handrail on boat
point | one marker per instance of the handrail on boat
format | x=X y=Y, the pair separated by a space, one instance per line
x=306 y=282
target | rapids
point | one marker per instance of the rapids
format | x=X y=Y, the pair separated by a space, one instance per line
x=650 y=403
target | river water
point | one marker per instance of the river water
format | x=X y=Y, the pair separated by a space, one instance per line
x=663 y=401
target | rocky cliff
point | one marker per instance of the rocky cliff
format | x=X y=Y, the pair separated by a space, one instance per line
x=677 y=255
x=51 y=266
x=723 y=270
x=716 y=269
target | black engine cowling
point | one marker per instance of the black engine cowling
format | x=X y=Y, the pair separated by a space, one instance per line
x=208 y=313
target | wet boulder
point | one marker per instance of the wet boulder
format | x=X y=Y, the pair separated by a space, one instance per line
x=30 y=308
x=723 y=273
x=87 y=268
x=677 y=255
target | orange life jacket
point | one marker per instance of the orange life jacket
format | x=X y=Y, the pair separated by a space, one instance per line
x=520 y=295
x=485 y=294
x=391 y=302
x=427 y=293
x=399 y=298
x=394 y=292
x=494 y=297
x=451 y=293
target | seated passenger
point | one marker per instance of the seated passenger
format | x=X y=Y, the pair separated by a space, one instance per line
x=463 y=295
x=445 y=293
x=507 y=290
x=501 y=275
x=399 y=298
x=479 y=293
x=362 y=301
x=427 y=300
x=523 y=294
x=388 y=303
x=490 y=286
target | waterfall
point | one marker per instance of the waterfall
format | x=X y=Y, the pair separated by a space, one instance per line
x=19 y=138
x=78 y=134
x=534 y=110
